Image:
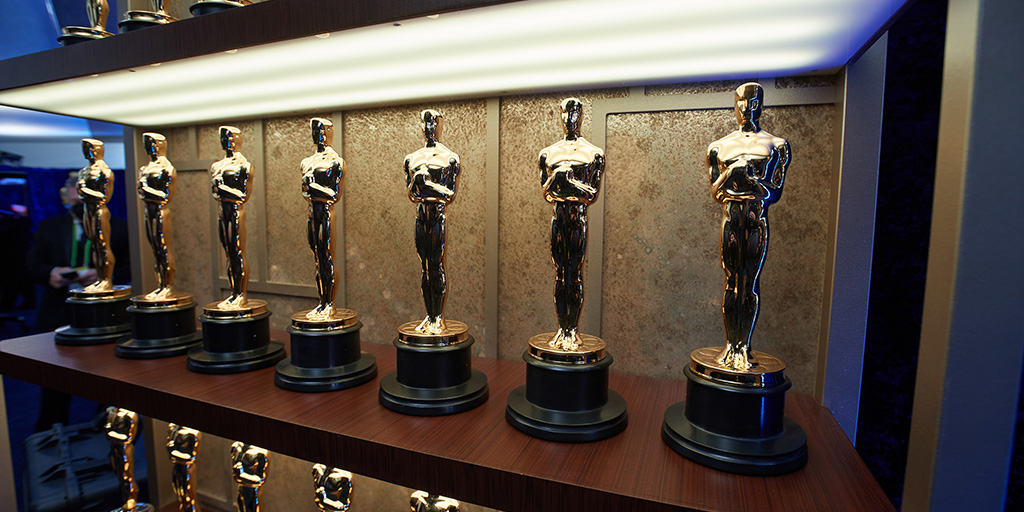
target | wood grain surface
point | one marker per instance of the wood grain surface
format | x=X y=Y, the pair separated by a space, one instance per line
x=474 y=456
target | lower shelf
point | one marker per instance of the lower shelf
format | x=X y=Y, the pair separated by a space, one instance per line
x=474 y=456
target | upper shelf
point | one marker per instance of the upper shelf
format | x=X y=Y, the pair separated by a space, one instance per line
x=474 y=456
x=287 y=56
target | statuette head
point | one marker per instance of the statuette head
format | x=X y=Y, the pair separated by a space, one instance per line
x=154 y=143
x=322 y=131
x=572 y=116
x=749 y=99
x=230 y=138
x=433 y=122
x=92 y=149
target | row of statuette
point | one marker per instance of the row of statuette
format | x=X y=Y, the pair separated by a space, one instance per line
x=332 y=487
x=733 y=417
x=98 y=12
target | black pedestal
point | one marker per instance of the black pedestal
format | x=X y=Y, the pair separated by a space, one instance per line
x=735 y=428
x=433 y=380
x=325 y=360
x=95 y=321
x=235 y=345
x=160 y=332
x=565 y=402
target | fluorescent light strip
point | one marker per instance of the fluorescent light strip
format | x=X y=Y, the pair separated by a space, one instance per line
x=514 y=47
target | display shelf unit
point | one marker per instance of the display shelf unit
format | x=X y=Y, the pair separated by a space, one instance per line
x=474 y=456
x=260 y=23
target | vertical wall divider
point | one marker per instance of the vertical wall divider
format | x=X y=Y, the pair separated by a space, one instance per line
x=491 y=228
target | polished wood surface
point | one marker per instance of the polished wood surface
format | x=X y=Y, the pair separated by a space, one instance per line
x=474 y=456
x=260 y=23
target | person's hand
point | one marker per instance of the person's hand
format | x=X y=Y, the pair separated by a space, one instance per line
x=87 y=277
x=57 y=280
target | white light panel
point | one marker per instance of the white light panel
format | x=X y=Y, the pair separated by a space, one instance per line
x=532 y=45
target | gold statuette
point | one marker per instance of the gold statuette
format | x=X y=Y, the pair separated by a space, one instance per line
x=249 y=465
x=155 y=189
x=231 y=179
x=98 y=11
x=747 y=171
x=432 y=179
x=122 y=428
x=571 y=172
x=332 y=488
x=182 y=447
x=422 y=501
x=96 y=186
x=323 y=181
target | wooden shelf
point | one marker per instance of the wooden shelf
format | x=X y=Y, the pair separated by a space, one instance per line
x=261 y=23
x=475 y=456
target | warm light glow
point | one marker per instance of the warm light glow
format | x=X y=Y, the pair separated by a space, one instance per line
x=531 y=45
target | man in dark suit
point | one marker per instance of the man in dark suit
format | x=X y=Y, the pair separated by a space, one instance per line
x=59 y=259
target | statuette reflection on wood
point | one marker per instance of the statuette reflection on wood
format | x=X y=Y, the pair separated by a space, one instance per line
x=182 y=447
x=422 y=501
x=231 y=179
x=747 y=172
x=249 y=466
x=332 y=488
x=571 y=172
x=432 y=179
x=121 y=430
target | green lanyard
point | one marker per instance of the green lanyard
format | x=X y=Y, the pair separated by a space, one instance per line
x=74 y=249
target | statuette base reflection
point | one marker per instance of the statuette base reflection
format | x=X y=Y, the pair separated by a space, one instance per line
x=163 y=326
x=591 y=349
x=235 y=340
x=566 y=399
x=96 y=317
x=75 y=35
x=325 y=354
x=212 y=6
x=454 y=332
x=433 y=380
x=732 y=426
x=135 y=20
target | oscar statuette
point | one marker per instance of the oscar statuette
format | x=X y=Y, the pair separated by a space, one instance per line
x=422 y=501
x=249 y=466
x=98 y=311
x=733 y=418
x=566 y=396
x=98 y=10
x=332 y=488
x=122 y=428
x=163 y=321
x=236 y=330
x=211 y=6
x=157 y=15
x=434 y=374
x=182 y=447
x=325 y=351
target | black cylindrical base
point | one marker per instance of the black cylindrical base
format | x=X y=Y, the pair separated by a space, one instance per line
x=325 y=361
x=95 y=322
x=201 y=8
x=235 y=346
x=568 y=403
x=160 y=332
x=736 y=429
x=126 y=26
x=433 y=381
